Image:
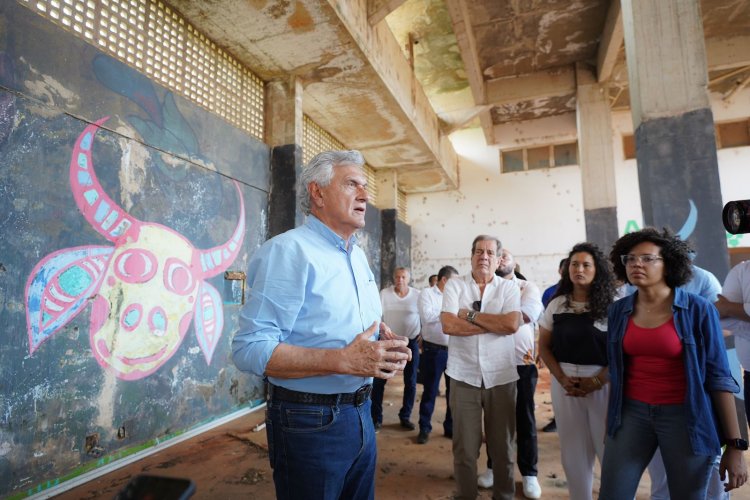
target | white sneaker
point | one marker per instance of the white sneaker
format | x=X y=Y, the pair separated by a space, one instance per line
x=531 y=488
x=485 y=479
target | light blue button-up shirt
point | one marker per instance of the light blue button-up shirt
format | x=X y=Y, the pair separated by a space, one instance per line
x=308 y=290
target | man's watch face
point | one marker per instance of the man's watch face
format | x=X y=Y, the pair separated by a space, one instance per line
x=739 y=444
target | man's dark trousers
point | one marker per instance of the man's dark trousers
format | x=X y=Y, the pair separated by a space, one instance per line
x=434 y=360
x=526 y=442
x=410 y=387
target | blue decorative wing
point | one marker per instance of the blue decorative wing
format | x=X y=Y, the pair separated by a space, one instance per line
x=58 y=287
x=209 y=320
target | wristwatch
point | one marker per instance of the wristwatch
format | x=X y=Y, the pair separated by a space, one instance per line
x=738 y=444
x=470 y=316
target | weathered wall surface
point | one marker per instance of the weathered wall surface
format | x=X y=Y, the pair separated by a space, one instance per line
x=539 y=214
x=115 y=317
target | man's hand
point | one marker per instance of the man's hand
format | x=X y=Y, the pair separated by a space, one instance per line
x=380 y=358
x=722 y=305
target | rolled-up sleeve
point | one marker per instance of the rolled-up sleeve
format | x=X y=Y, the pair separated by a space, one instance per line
x=718 y=375
x=451 y=295
x=276 y=278
x=531 y=302
x=429 y=310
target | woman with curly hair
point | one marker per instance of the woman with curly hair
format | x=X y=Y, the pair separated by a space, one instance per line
x=572 y=342
x=670 y=382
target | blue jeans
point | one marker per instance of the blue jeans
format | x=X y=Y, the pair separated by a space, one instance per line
x=434 y=360
x=410 y=387
x=643 y=428
x=321 y=452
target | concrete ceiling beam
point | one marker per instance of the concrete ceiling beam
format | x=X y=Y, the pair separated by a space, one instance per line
x=467 y=46
x=610 y=43
x=556 y=129
x=727 y=53
x=384 y=55
x=377 y=10
x=552 y=83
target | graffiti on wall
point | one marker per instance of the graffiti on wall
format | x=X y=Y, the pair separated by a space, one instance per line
x=145 y=291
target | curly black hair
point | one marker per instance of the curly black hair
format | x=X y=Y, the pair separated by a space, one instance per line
x=678 y=264
x=602 y=291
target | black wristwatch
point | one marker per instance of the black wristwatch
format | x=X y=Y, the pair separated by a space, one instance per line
x=470 y=316
x=738 y=444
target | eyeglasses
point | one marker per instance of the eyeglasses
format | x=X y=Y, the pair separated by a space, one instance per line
x=477 y=305
x=645 y=260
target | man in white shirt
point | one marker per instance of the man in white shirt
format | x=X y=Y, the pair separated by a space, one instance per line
x=734 y=306
x=434 y=357
x=527 y=453
x=401 y=314
x=480 y=312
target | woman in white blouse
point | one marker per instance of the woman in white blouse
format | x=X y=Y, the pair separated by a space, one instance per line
x=572 y=343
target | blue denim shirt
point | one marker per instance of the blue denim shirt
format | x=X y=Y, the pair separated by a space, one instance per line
x=706 y=366
x=309 y=288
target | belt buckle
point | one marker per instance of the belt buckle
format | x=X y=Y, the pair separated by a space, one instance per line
x=362 y=394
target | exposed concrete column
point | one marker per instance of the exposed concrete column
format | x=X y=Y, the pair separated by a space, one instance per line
x=678 y=170
x=283 y=119
x=595 y=155
x=387 y=181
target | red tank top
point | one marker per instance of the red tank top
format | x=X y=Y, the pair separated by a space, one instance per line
x=654 y=368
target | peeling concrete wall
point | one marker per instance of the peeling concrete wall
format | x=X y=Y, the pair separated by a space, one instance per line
x=116 y=319
x=121 y=207
x=539 y=214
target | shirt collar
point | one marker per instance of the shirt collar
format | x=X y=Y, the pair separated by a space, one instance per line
x=317 y=226
x=680 y=300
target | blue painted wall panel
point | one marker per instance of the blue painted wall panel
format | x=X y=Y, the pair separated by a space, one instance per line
x=124 y=334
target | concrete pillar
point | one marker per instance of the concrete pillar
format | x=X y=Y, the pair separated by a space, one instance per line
x=387 y=180
x=284 y=134
x=595 y=155
x=678 y=170
x=395 y=245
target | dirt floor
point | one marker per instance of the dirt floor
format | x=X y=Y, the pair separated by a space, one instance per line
x=231 y=461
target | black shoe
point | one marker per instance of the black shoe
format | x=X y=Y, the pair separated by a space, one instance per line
x=378 y=426
x=550 y=427
x=407 y=424
x=448 y=434
x=423 y=437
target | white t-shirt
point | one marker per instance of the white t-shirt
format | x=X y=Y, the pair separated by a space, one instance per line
x=737 y=289
x=531 y=306
x=487 y=358
x=401 y=314
x=430 y=305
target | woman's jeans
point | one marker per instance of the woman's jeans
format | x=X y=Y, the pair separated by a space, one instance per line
x=321 y=452
x=643 y=428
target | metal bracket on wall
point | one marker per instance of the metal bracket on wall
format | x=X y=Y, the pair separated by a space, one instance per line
x=237 y=276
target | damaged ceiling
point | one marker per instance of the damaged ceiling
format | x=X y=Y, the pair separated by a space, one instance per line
x=393 y=78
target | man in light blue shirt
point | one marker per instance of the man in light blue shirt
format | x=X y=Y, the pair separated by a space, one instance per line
x=311 y=327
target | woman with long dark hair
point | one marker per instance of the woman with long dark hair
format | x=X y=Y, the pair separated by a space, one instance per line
x=671 y=386
x=572 y=342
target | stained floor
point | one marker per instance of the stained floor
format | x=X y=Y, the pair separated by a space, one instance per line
x=231 y=461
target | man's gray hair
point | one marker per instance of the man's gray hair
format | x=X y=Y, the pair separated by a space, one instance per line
x=486 y=237
x=320 y=171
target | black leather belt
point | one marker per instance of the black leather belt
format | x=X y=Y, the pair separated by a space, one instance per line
x=357 y=398
x=434 y=346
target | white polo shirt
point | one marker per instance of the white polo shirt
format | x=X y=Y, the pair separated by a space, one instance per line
x=737 y=289
x=486 y=357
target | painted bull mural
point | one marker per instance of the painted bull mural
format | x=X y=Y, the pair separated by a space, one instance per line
x=145 y=291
